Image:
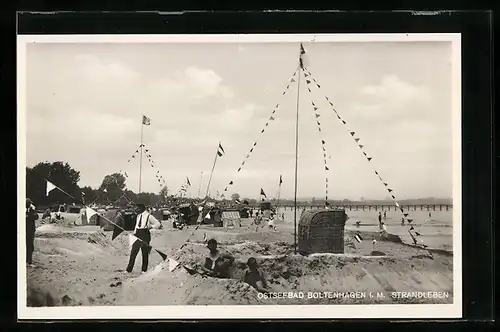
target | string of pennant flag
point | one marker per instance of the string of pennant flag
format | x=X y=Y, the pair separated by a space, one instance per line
x=323 y=145
x=159 y=177
x=271 y=118
x=310 y=80
x=117 y=228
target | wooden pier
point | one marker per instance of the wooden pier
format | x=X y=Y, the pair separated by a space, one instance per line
x=368 y=207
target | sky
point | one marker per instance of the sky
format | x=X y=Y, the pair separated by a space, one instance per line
x=85 y=103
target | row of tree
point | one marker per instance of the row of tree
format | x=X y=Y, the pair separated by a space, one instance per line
x=113 y=187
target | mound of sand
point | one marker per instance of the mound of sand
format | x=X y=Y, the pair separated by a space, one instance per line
x=82 y=266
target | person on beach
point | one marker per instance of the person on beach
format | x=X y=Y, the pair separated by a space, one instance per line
x=31 y=217
x=385 y=215
x=144 y=223
x=379 y=218
x=270 y=223
x=402 y=221
x=383 y=231
x=217 y=264
x=254 y=277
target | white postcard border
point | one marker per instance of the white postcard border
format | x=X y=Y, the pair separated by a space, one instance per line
x=408 y=311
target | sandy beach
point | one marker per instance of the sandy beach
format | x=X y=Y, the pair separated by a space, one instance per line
x=80 y=266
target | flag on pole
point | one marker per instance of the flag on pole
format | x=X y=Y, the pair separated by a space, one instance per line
x=281 y=180
x=50 y=187
x=188 y=182
x=146 y=121
x=262 y=193
x=303 y=57
x=105 y=190
x=220 y=151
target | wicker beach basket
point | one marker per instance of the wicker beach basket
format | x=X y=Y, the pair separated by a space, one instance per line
x=322 y=231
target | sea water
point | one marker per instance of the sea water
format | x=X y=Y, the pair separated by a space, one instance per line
x=435 y=231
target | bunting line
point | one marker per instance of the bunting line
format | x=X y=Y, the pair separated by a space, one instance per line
x=272 y=117
x=323 y=142
x=159 y=177
x=309 y=80
x=90 y=212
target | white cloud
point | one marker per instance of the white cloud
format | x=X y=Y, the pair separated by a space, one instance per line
x=92 y=66
x=393 y=99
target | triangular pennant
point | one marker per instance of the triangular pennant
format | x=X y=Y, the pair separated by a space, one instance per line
x=309 y=89
x=323 y=142
x=239 y=169
x=385 y=184
x=393 y=197
x=344 y=122
x=319 y=86
x=397 y=204
x=315 y=108
x=230 y=183
x=50 y=187
x=318 y=123
x=405 y=214
x=207 y=216
x=287 y=86
x=225 y=189
x=251 y=150
x=262 y=131
x=131 y=239
x=326 y=168
x=308 y=81
x=317 y=115
x=352 y=133
x=267 y=124
x=369 y=158
x=390 y=190
x=247 y=156
x=172 y=264
x=163 y=256
x=255 y=143
x=271 y=118
x=292 y=80
x=361 y=146
x=357 y=140
x=89 y=213
x=116 y=231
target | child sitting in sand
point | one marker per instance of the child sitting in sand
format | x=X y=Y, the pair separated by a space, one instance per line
x=254 y=277
x=217 y=264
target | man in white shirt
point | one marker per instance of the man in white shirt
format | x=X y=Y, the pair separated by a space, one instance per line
x=144 y=223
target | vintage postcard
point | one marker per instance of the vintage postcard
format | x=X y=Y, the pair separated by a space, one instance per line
x=239 y=176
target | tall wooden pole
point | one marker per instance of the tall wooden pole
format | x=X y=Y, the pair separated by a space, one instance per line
x=296 y=166
x=140 y=162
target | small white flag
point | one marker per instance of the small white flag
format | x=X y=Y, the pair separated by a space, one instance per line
x=105 y=190
x=397 y=204
x=172 y=264
x=131 y=239
x=207 y=216
x=89 y=212
x=50 y=187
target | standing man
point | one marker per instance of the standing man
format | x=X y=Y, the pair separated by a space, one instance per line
x=31 y=217
x=379 y=218
x=144 y=223
x=385 y=215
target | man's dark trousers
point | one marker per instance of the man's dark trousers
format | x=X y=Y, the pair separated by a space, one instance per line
x=145 y=236
x=30 y=239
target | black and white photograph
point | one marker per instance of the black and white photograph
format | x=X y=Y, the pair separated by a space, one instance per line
x=239 y=176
